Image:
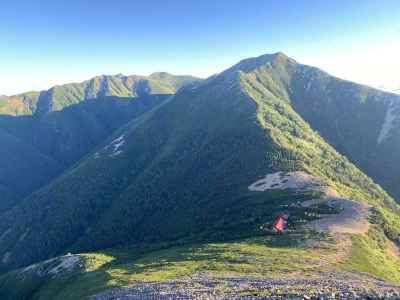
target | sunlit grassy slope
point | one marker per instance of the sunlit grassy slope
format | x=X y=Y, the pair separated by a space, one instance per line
x=288 y=256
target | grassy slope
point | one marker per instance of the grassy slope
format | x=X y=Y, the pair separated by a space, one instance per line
x=369 y=254
x=258 y=257
x=122 y=267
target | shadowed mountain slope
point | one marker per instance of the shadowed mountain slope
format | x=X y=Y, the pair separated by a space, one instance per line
x=66 y=125
x=35 y=150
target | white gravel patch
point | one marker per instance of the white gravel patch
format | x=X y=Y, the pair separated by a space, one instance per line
x=67 y=263
x=388 y=124
x=54 y=266
x=292 y=180
x=30 y=268
x=113 y=149
x=392 y=119
x=116 y=145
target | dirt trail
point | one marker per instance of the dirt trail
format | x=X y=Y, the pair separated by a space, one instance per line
x=342 y=250
x=393 y=250
x=353 y=217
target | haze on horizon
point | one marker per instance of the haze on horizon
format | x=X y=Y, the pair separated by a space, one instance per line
x=54 y=42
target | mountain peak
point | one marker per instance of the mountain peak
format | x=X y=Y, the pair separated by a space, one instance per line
x=250 y=64
x=160 y=74
x=280 y=54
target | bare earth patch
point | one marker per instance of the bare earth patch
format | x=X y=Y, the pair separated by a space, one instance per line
x=353 y=218
x=393 y=250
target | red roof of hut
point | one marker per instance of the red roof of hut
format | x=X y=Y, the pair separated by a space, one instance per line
x=280 y=223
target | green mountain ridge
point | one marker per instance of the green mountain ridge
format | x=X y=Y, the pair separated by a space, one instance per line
x=61 y=96
x=362 y=123
x=232 y=125
x=167 y=195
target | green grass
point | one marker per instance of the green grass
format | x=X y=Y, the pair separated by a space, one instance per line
x=253 y=257
x=274 y=256
x=369 y=254
x=264 y=256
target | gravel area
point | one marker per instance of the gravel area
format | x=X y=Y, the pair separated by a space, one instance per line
x=332 y=285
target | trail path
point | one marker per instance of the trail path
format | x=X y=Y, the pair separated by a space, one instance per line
x=353 y=217
x=393 y=250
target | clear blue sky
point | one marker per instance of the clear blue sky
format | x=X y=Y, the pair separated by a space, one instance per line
x=47 y=42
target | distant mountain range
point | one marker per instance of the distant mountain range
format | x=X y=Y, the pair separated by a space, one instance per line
x=392 y=89
x=59 y=97
x=135 y=161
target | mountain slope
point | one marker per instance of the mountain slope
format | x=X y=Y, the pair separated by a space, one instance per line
x=68 y=135
x=191 y=159
x=59 y=97
x=18 y=164
x=61 y=138
x=23 y=104
x=360 y=122
x=63 y=124
x=100 y=181
x=253 y=267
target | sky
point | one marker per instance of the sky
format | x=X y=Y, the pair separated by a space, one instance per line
x=49 y=42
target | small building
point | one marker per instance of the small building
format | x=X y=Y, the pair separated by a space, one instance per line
x=280 y=223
